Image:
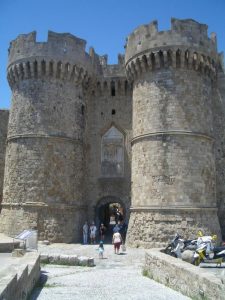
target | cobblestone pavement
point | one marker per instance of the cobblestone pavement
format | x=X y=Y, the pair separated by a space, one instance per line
x=114 y=277
x=6 y=263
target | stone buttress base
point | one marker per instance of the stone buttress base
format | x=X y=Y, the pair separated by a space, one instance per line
x=155 y=228
x=56 y=224
x=221 y=216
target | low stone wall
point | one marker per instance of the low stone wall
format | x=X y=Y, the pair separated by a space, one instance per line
x=8 y=247
x=65 y=259
x=8 y=244
x=19 y=280
x=190 y=280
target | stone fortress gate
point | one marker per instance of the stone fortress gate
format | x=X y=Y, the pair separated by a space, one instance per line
x=146 y=134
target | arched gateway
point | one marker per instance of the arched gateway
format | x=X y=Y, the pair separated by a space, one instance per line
x=105 y=212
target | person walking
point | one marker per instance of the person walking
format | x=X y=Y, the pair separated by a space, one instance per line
x=101 y=249
x=102 y=231
x=85 y=233
x=93 y=230
x=117 y=241
x=117 y=215
x=123 y=230
x=116 y=228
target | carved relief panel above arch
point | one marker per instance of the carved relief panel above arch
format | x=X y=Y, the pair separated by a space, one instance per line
x=112 y=153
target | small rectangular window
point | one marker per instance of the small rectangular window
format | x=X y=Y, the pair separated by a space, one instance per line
x=113 y=89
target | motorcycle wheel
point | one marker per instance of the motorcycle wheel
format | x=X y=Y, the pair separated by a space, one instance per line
x=197 y=261
x=173 y=254
x=168 y=250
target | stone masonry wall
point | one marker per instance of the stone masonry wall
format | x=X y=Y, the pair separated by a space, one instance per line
x=168 y=107
x=164 y=166
x=150 y=228
x=167 y=179
x=62 y=223
x=4 y=115
x=104 y=111
x=219 y=132
x=43 y=146
x=44 y=157
x=169 y=99
x=19 y=281
x=175 y=169
x=194 y=282
x=173 y=163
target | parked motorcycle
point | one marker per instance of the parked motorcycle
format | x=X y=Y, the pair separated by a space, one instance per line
x=178 y=245
x=207 y=253
x=171 y=246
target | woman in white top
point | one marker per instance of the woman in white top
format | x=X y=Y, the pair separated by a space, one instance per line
x=117 y=241
x=93 y=230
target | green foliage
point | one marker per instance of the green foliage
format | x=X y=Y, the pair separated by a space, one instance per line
x=147 y=273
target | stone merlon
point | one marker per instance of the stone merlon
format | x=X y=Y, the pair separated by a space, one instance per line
x=60 y=47
x=184 y=34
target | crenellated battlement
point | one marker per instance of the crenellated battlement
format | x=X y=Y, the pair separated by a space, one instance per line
x=185 y=35
x=111 y=79
x=190 y=28
x=63 y=56
x=111 y=86
x=114 y=70
x=59 y=46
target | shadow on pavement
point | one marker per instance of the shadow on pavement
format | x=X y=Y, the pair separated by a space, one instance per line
x=39 y=286
x=212 y=266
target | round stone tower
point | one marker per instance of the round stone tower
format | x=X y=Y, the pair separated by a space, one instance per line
x=44 y=161
x=173 y=166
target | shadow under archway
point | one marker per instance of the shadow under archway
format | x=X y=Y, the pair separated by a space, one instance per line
x=109 y=211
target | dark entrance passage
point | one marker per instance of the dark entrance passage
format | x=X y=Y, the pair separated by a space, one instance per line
x=109 y=213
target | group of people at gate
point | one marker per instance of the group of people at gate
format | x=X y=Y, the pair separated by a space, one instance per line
x=90 y=232
x=118 y=237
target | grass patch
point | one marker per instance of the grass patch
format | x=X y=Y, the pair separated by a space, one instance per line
x=147 y=273
x=200 y=297
x=42 y=285
x=60 y=265
x=43 y=282
x=50 y=285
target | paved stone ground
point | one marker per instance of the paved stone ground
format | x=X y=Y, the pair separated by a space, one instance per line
x=5 y=259
x=212 y=268
x=114 y=277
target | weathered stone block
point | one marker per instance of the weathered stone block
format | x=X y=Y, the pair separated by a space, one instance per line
x=18 y=252
x=44 y=258
x=83 y=261
x=53 y=258
x=73 y=260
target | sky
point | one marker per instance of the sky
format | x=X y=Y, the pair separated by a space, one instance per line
x=104 y=24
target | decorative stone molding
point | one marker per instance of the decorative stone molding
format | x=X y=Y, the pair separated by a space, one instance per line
x=45 y=205
x=178 y=58
x=43 y=136
x=42 y=68
x=171 y=208
x=139 y=138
